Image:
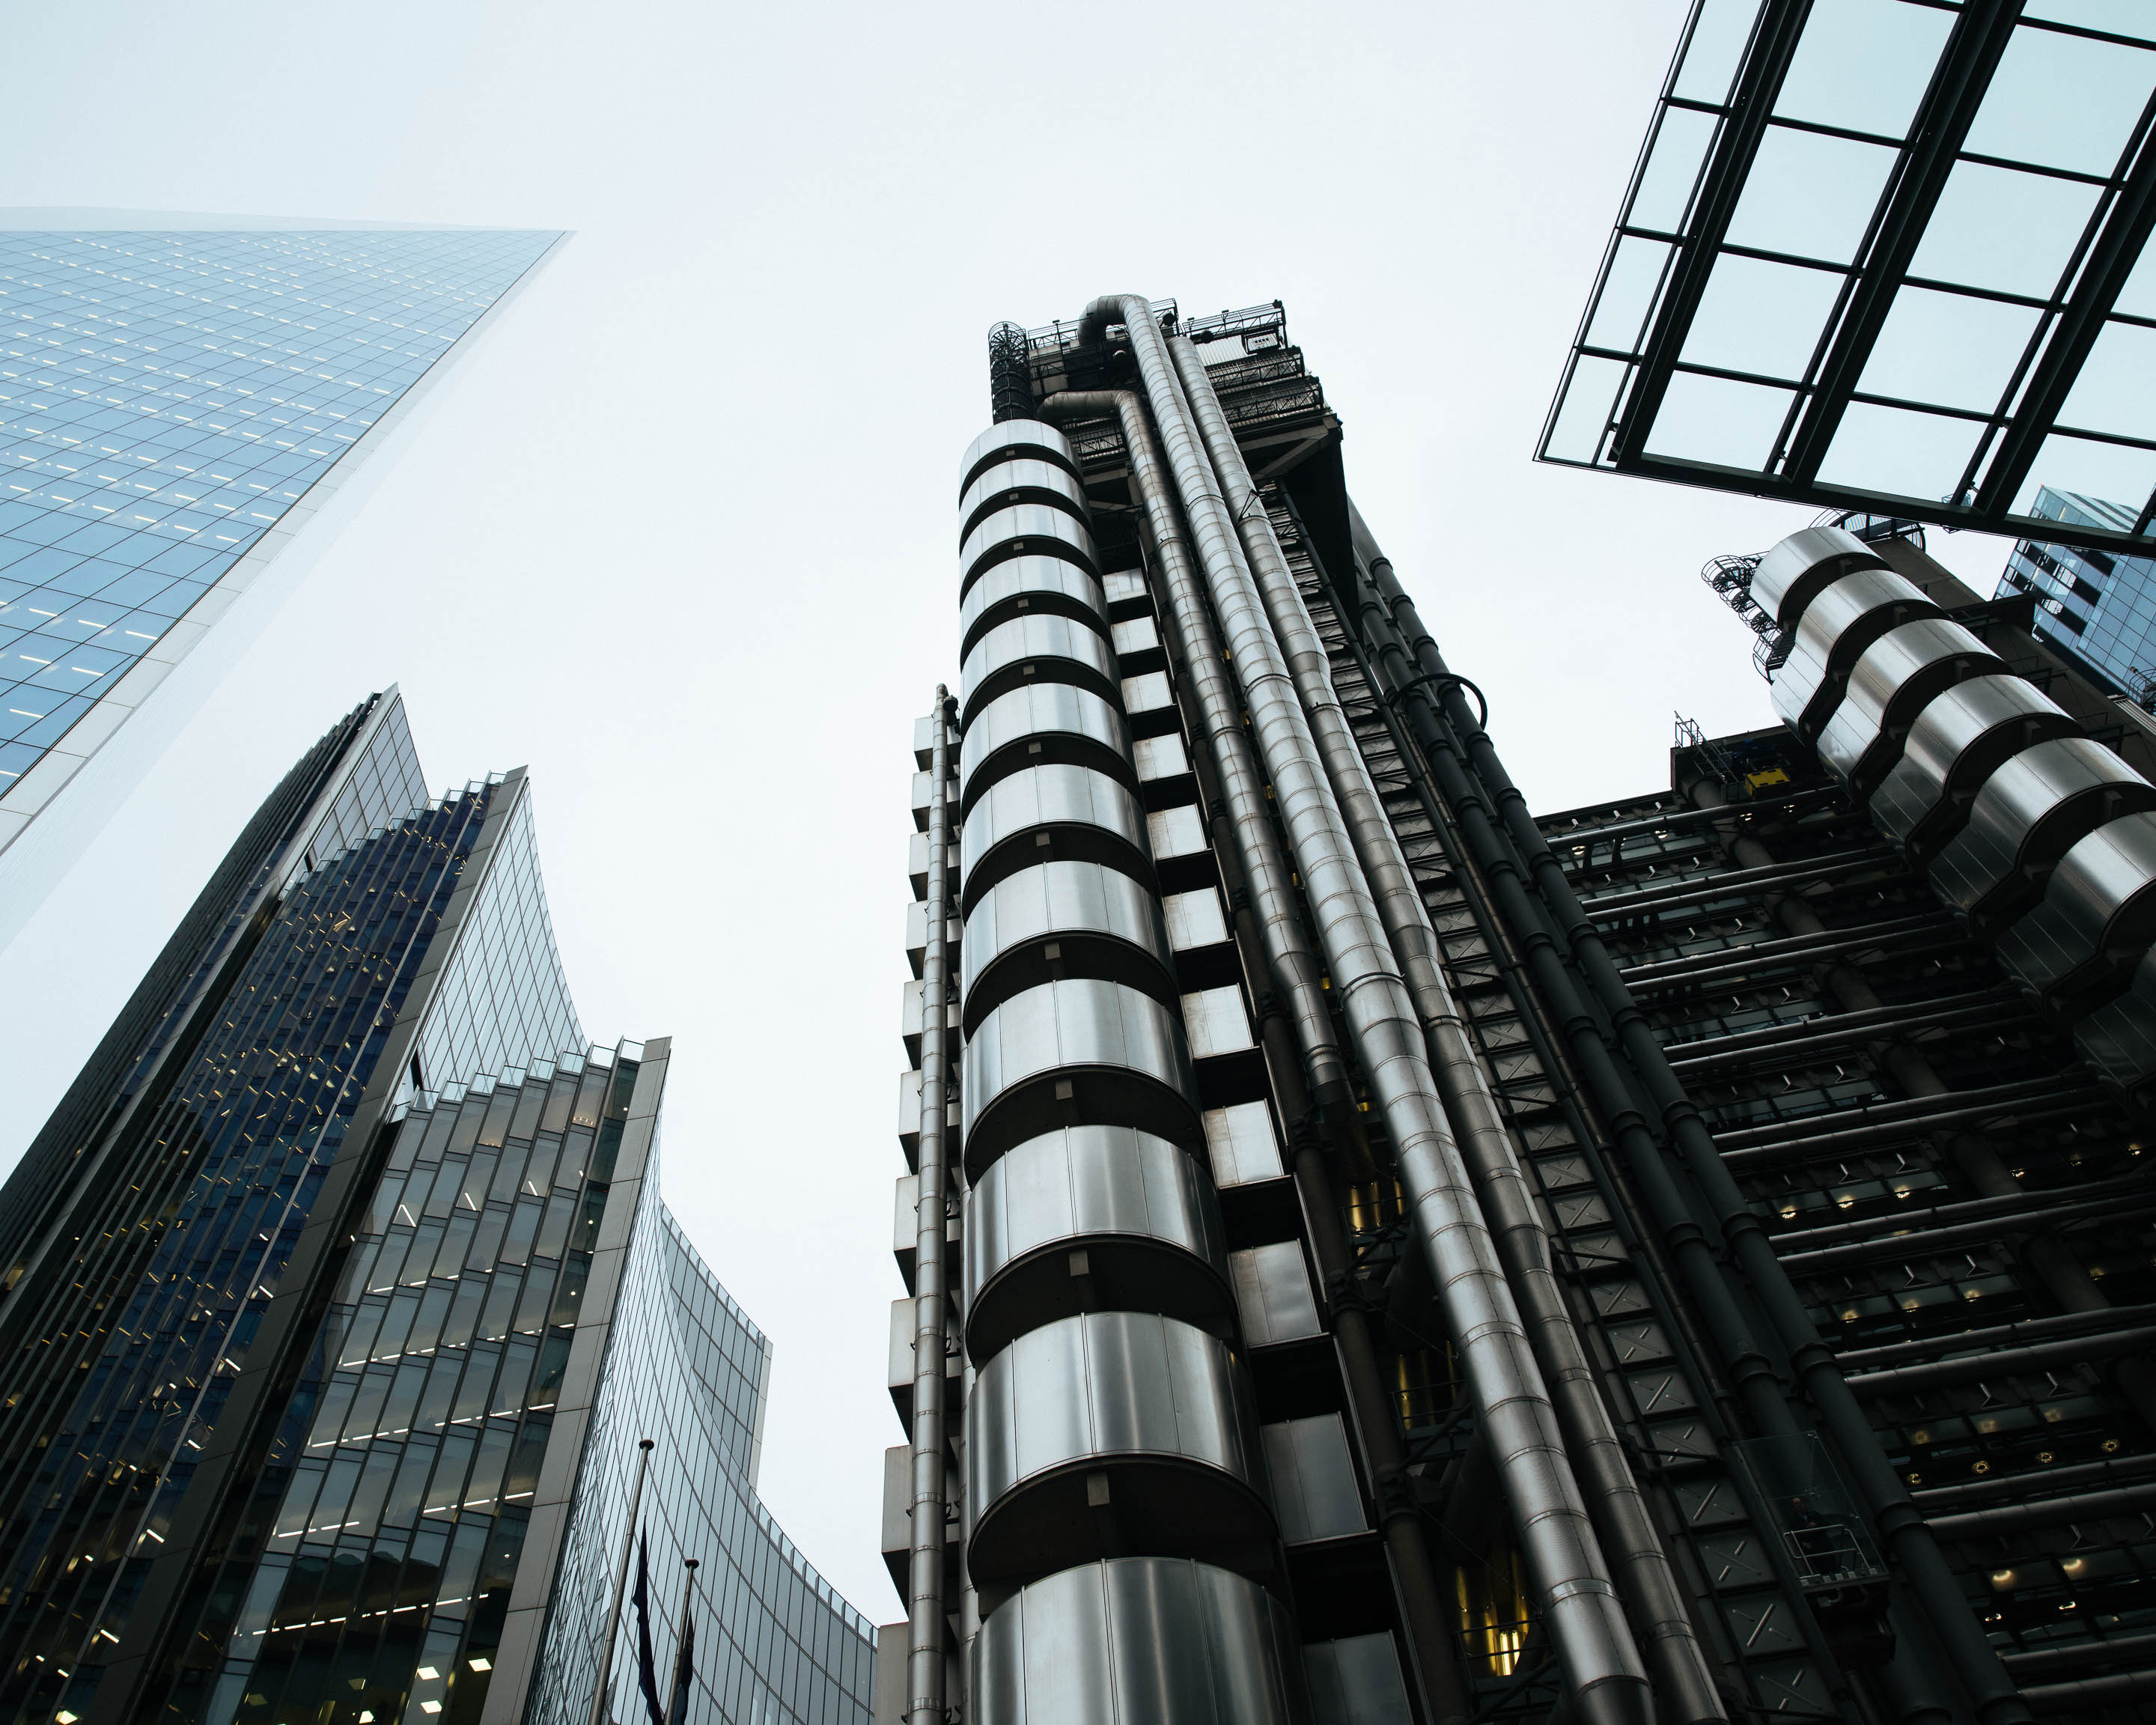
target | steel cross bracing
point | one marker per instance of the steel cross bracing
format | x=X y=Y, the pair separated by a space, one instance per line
x=1649 y=1376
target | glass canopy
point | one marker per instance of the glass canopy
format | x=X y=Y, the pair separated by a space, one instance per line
x=1887 y=254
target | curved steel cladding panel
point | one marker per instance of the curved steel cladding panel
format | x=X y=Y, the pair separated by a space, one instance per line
x=1043 y=725
x=1020 y=586
x=1048 y=814
x=1113 y=1433
x=2079 y=947
x=1803 y=566
x=1893 y=682
x=1015 y=440
x=1957 y=743
x=2118 y=1039
x=1092 y=1217
x=1030 y=648
x=1023 y=479
x=1083 y=1648
x=1844 y=620
x=1068 y=918
x=1078 y=1052
x=2030 y=810
x=1028 y=529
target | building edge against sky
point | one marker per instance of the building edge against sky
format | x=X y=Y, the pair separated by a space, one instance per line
x=71 y=760
x=270 y=1258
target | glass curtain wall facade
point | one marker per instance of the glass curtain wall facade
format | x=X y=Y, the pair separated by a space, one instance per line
x=414 y=1508
x=157 y=1216
x=361 y=776
x=1796 y=1142
x=320 y=1383
x=174 y=407
x=774 y=1640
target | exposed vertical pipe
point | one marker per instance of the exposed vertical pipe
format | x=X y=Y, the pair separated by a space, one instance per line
x=1727 y=1326
x=1902 y=1527
x=1271 y=879
x=1684 y=1690
x=924 y=1662
x=1580 y=1607
x=1268 y=927
x=600 y=1697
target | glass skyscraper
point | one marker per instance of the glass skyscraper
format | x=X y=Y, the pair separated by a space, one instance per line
x=177 y=407
x=338 y=1293
x=2098 y=606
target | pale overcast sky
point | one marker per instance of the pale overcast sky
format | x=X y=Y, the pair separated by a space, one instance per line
x=680 y=534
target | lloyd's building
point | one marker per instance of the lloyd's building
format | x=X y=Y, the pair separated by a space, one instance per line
x=1378 y=1253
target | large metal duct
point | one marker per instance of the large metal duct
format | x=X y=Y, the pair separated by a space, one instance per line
x=1107 y=1412
x=1957 y=743
x=1083 y=1647
x=1046 y=813
x=1061 y=919
x=1894 y=680
x=1685 y=1689
x=1271 y=923
x=2030 y=811
x=1581 y=1610
x=1013 y=654
x=1023 y=586
x=1288 y=952
x=1837 y=628
x=1092 y=1217
x=1991 y=788
x=1113 y=1433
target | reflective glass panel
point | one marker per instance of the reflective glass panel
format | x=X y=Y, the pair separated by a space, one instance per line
x=1863 y=65
x=2062 y=101
x=166 y=397
x=1672 y=169
x=1717 y=46
x=1898 y=452
x=1628 y=294
x=2117 y=389
x=1811 y=195
x=2004 y=228
x=1761 y=317
x=1948 y=348
x=1716 y=420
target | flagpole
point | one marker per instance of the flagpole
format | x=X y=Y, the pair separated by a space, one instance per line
x=599 y=1708
x=685 y=1642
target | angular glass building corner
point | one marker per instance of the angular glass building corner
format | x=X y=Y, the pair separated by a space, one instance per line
x=183 y=411
x=337 y=1293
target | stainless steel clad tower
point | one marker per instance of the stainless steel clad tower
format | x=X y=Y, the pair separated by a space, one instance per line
x=1195 y=1104
x=1361 y=1244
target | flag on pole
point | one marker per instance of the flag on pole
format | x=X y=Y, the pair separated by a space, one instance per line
x=647 y=1672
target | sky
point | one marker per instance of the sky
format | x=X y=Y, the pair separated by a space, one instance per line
x=679 y=533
